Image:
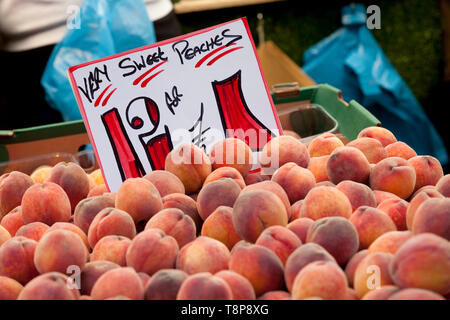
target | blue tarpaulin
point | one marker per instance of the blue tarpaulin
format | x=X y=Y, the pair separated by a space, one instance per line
x=351 y=60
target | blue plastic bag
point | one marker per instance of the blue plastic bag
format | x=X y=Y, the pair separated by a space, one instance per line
x=351 y=60
x=106 y=27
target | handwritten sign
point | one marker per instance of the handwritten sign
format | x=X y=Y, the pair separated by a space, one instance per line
x=198 y=88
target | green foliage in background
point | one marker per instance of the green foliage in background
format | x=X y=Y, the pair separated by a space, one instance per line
x=410 y=33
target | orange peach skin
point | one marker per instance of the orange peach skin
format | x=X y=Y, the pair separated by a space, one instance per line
x=280 y=240
x=259 y=265
x=394 y=175
x=219 y=226
x=423 y=262
x=204 y=254
x=139 y=198
x=47 y=203
x=152 y=250
x=372 y=149
x=370 y=224
x=322 y=279
x=255 y=211
x=324 y=202
x=190 y=164
x=383 y=135
x=232 y=152
x=295 y=180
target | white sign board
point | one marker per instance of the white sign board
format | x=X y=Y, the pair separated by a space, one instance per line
x=140 y=104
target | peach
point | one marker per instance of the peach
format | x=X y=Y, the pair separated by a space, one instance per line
x=295 y=180
x=390 y=242
x=40 y=174
x=359 y=194
x=12 y=221
x=219 y=226
x=118 y=282
x=9 y=288
x=190 y=164
x=300 y=227
x=382 y=293
x=97 y=176
x=443 y=185
x=72 y=178
x=400 y=149
x=164 y=284
x=372 y=149
x=185 y=204
x=240 y=287
x=12 y=188
x=324 y=145
x=204 y=254
x=47 y=203
x=59 y=249
x=396 y=210
x=348 y=163
x=33 y=231
x=301 y=257
x=336 y=235
x=428 y=170
x=4 y=235
x=16 y=259
x=255 y=177
x=281 y=150
x=222 y=192
x=111 y=221
x=322 y=279
x=323 y=202
x=165 y=181
x=257 y=210
x=139 y=198
x=91 y=272
x=280 y=240
x=352 y=264
x=275 y=295
x=152 y=250
x=225 y=172
x=415 y=203
x=91 y=183
x=318 y=167
x=423 y=262
x=370 y=224
x=145 y=278
x=97 y=191
x=85 y=297
x=259 y=265
x=383 y=135
x=50 y=286
x=232 y=152
x=70 y=227
x=351 y=294
x=325 y=184
x=433 y=216
x=380 y=196
x=372 y=272
x=87 y=209
x=272 y=187
x=174 y=223
x=204 y=286
x=415 y=294
x=111 y=248
x=394 y=175
x=295 y=210
x=291 y=133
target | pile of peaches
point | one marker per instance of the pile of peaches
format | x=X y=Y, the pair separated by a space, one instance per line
x=366 y=220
